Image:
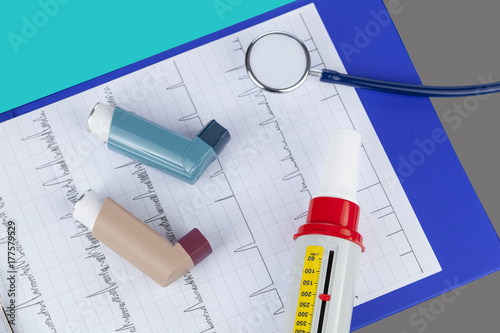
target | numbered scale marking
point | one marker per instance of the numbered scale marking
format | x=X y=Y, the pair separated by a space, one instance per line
x=308 y=289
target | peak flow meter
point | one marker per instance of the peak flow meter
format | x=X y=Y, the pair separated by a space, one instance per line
x=328 y=246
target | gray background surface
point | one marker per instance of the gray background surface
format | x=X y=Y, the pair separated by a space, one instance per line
x=453 y=42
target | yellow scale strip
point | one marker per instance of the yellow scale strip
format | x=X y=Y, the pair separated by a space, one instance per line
x=308 y=289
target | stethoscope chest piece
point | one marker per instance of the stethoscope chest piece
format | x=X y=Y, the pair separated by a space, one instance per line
x=277 y=61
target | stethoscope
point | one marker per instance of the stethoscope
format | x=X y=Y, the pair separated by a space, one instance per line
x=278 y=61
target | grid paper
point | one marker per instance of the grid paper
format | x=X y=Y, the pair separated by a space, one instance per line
x=249 y=203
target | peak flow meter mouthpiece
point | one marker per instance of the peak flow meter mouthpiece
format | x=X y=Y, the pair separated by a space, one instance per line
x=339 y=178
x=137 y=243
x=156 y=146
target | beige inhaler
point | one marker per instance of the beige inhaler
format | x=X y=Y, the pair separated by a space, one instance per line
x=137 y=243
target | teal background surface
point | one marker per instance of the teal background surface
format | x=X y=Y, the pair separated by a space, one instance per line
x=49 y=45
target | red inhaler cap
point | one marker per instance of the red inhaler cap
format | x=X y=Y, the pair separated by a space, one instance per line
x=332 y=217
x=196 y=245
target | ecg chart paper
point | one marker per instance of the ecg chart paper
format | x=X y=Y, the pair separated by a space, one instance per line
x=249 y=203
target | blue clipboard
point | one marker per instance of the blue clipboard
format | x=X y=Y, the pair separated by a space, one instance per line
x=439 y=190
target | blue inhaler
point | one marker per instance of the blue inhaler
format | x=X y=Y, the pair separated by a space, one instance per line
x=156 y=146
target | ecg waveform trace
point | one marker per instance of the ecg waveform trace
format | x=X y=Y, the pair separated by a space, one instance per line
x=220 y=173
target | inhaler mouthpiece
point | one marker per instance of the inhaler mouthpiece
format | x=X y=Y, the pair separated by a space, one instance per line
x=87 y=208
x=99 y=121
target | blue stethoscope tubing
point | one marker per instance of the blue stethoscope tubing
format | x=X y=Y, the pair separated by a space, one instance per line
x=330 y=76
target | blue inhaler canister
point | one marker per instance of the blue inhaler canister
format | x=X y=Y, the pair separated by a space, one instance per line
x=156 y=146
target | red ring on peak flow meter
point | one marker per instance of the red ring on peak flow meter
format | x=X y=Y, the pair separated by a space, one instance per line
x=332 y=217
